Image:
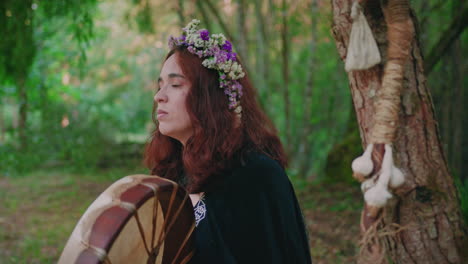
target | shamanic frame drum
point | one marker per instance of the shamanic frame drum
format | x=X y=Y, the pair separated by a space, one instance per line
x=138 y=219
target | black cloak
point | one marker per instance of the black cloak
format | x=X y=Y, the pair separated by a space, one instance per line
x=252 y=217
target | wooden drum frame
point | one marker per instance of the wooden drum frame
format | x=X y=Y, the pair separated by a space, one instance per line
x=138 y=219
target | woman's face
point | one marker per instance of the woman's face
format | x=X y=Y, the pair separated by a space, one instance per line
x=171 y=112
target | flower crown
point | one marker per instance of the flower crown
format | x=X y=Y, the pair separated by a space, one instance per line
x=218 y=55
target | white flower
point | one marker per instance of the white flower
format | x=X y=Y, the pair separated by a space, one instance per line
x=209 y=63
x=208 y=50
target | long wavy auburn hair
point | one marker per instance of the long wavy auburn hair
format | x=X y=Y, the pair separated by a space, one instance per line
x=219 y=141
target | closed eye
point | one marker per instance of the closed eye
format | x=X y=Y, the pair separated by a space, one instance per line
x=158 y=84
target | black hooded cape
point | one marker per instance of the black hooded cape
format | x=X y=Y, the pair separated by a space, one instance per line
x=253 y=217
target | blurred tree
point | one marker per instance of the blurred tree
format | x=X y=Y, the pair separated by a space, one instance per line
x=285 y=53
x=180 y=13
x=17 y=52
x=278 y=41
x=19 y=46
x=443 y=31
x=424 y=225
x=458 y=24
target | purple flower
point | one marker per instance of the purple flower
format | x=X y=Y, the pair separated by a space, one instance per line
x=217 y=56
x=222 y=84
x=212 y=51
x=204 y=34
x=221 y=57
x=232 y=105
x=172 y=42
x=227 y=46
x=231 y=56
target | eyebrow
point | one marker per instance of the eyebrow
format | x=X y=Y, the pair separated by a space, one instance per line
x=171 y=76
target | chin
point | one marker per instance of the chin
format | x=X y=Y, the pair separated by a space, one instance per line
x=163 y=130
x=167 y=132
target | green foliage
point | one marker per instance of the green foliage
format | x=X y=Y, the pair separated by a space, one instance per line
x=317 y=118
x=108 y=98
x=114 y=96
x=80 y=144
x=462 y=188
x=76 y=121
x=17 y=45
x=21 y=19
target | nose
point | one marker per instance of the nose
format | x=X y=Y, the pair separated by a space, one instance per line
x=160 y=96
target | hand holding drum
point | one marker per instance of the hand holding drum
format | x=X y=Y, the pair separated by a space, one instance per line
x=138 y=219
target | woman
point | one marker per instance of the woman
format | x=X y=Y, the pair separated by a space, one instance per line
x=212 y=138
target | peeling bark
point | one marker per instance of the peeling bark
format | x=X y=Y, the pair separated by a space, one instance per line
x=426 y=207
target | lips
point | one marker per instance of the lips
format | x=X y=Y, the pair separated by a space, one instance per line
x=161 y=113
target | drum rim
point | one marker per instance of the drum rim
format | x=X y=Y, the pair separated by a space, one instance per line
x=127 y=212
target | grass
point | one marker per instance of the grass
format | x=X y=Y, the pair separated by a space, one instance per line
x=39 y=210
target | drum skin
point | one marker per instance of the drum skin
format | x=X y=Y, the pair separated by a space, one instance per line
x=138 y=219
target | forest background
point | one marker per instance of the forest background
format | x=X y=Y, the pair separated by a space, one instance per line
x=77 y=81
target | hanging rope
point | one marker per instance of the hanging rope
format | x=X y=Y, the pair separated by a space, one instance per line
x=376 y=178
x=375 y=169
x=400 y=35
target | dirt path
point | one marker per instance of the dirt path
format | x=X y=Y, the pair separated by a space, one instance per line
x=332 y=214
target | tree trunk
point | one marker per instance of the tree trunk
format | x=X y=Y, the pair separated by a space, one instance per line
x=2 y=123
x=264 y=13
x=450 y=109
x=303 y=145
x=180 y=13
x=242 y=32
x=215 y=12
x=23 y=112
x=285 y=74
x=447 y=38
x=423 y=224
x=459 y=118
x=262 y=49
x=204 y=14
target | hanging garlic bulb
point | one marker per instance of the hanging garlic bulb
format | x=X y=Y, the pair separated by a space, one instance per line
x=367 y=184
x=362 y=166
x=397 y=178
x=378 y=195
